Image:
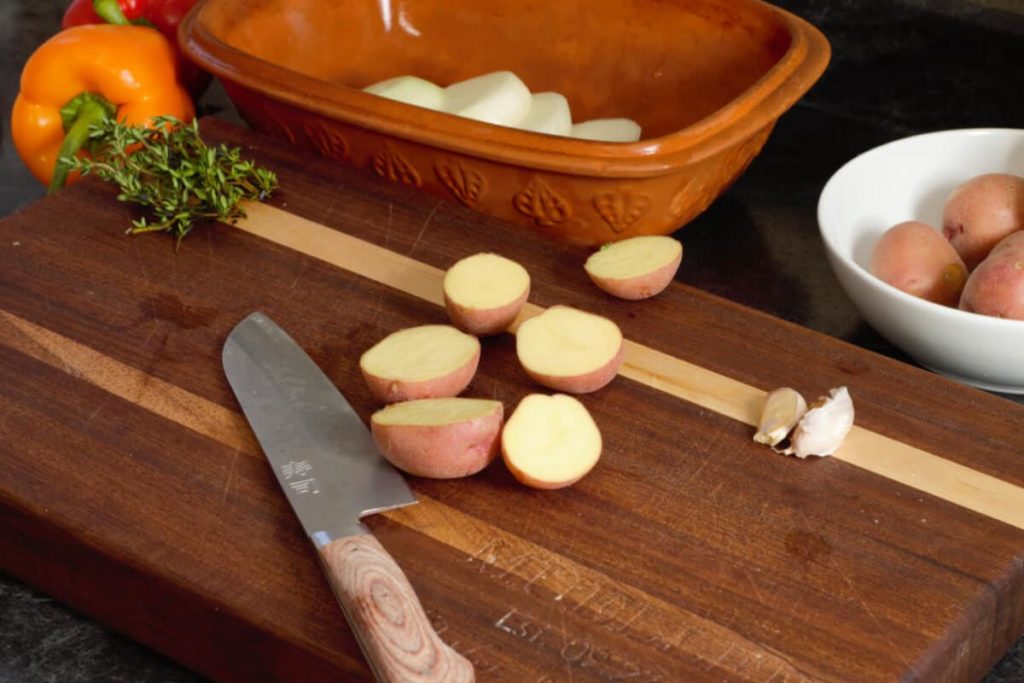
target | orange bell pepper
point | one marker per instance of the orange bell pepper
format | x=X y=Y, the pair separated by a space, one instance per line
x=84 y=75
x=163 y=15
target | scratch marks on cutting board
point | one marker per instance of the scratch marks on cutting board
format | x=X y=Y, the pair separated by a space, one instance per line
x=378 y=308
x=142 y=265
x=228 y=480
x=753 y=584
x=94 y=413
x=302 y=271
x=423 y=229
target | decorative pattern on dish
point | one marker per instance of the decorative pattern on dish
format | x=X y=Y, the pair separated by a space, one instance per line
x=691 y=198
x=388 y=163
x=326 y=140
x=545 y=206
x=742 y=153
x=622 y=208
x=271 y=123
x=468 y=185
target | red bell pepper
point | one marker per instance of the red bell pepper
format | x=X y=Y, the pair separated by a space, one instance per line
x=163 y=15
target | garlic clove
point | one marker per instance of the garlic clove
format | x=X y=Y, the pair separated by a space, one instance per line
x=823 y=428
x=783 y=408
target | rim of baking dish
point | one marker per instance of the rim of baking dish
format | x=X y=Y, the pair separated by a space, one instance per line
x=758 y=106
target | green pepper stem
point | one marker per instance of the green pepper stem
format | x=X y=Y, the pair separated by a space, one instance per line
x=110 y=11
x=90 y=113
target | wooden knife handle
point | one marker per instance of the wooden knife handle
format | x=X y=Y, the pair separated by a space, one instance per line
x=393 y=631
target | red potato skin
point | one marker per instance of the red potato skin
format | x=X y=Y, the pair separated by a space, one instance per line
x=388 y=390
x=914 y=258
x=642 y=286
x=483 y=322
x=996 y=287
x=524 y=478
x=450 y=451
x=582 y=384
x=981 y=212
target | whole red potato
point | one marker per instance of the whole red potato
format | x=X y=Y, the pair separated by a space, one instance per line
x=913 y=257
x=982 y=211
x=996 y=287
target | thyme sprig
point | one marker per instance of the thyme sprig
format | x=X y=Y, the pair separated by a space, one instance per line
x=170 y=171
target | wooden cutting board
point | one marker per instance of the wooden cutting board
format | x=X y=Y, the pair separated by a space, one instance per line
x=133 y=489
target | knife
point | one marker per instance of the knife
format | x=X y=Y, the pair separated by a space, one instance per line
x=333 y=474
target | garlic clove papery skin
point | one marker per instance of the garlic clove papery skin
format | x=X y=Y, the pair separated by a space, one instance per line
x=823 y=428
x=783 y=408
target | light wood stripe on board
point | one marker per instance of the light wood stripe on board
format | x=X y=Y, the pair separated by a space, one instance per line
x=871 y=451
x=500 y=554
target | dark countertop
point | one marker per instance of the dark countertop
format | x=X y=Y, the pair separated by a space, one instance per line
x=899 y=67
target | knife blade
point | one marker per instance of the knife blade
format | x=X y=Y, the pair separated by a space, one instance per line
x=332 y=474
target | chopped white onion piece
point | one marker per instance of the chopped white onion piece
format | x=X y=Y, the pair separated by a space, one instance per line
x=608 y=130
x=498 y=97
x=411 y=90
x=549 y=113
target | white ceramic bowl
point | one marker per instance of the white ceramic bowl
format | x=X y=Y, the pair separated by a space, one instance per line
x=910 y=179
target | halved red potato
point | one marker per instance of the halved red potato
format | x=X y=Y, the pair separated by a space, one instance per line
x=636 y=268
x=484 y=293
x=550 y=442
x=441 y=438
x=569 y=350
x=429 y=361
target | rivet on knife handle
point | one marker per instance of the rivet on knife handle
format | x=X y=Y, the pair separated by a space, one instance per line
x=393 y=631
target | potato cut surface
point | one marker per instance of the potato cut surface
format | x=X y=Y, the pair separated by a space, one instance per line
x=435 y=411
x=485 y=281
x=565 y=341
x=551 y=438
x=420 y=353
x=633 y=257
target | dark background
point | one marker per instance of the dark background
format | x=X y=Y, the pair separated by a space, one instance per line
x=899 y=67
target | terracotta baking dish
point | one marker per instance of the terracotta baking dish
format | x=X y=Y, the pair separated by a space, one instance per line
x=706 y=79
